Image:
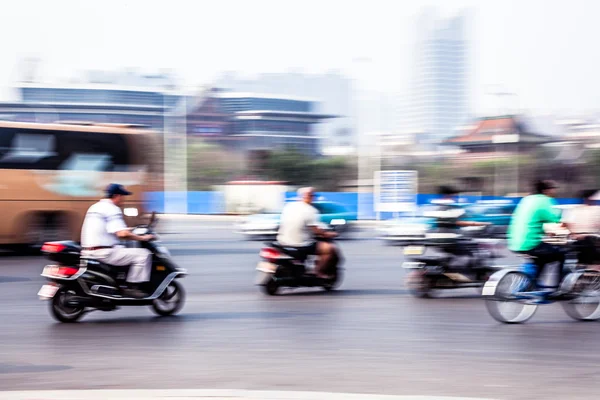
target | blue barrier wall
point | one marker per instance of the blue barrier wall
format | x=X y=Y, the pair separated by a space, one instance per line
x=213 y=202
x=186 y=202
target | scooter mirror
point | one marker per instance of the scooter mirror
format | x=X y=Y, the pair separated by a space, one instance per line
x=153 y=219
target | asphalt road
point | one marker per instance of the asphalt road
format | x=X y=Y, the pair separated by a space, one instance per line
x=368 y=337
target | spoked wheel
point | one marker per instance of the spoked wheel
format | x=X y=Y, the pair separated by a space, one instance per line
x=419 y=285
x=171 y=301
x=586 y=304
x=504 y=306
x=61 y=310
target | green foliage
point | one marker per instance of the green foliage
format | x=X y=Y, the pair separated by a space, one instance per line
x=298 y=169
x=209 y=165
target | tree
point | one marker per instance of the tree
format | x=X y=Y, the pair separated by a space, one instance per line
x=209 y=165
x=296 y=168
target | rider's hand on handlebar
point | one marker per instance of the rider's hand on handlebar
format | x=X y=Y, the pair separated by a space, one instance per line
x=147 y=238
x=331 y=235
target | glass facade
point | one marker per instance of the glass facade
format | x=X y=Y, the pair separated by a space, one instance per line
x=97 y=96
x=259 y=126
x=236 y=104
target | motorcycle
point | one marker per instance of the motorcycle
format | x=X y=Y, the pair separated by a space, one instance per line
x=459 y=262
x=513 y=294
x=282 y=266
x=78 y=285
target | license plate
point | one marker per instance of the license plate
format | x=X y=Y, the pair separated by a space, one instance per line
x=47 y=291
x=266 y=267
x=413 y=250
x=262 y=278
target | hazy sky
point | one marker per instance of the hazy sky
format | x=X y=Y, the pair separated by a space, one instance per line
x=545 y=51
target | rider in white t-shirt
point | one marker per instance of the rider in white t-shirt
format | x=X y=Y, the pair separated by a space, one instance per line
x=299 y=226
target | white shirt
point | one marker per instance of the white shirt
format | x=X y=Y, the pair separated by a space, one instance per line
x=583 y=219
x=102 y=221
x=296 y=220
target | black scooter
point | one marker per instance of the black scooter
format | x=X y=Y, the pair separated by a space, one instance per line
x=282 y=266
x=78 y=285
x=458 y=262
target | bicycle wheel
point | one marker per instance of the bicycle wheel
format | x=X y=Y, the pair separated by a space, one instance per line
x=504 y=306
x=585 y=306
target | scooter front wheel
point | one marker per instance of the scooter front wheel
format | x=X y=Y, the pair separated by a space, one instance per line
x=504 y=306
x=335 y=282
x=171 y=301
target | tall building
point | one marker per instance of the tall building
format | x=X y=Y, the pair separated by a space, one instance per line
x=439 y=93
x=332 y=92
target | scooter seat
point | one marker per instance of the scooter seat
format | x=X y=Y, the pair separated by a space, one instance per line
x=290 y=251
x=432 y=259
x=111 y=270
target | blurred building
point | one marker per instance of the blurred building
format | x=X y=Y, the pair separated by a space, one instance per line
x=333 y=91
x=498 y=136
x=439 y=93
x=251 y=121
x=120 y=97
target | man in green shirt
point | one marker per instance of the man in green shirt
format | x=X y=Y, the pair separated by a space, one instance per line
x=526 y=229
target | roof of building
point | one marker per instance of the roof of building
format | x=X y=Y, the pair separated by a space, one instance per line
x=78 y=126
x=98 y=86
x=485 y=130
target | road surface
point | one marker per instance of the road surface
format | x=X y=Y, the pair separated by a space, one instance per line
x=369 y=337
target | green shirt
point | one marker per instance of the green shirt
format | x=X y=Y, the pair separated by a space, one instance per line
x=526 y=226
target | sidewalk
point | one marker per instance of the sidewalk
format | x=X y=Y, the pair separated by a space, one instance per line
x=183 y=394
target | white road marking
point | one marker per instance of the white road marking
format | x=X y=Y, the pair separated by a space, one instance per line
x=185 y=394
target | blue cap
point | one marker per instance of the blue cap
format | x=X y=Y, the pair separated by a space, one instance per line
x=115 y=189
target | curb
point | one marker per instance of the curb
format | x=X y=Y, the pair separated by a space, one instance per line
x=181 y=394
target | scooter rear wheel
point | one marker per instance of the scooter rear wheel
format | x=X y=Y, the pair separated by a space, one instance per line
x=419 y=285
x=271 y=287
x=63 y=312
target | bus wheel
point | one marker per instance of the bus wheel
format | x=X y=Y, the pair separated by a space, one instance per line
x=43 y=228
x=34 y=231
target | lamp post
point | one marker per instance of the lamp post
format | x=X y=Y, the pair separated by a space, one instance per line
x=505 y=138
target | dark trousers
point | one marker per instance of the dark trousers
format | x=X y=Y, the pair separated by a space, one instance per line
x=587 y=251
x=547 y=254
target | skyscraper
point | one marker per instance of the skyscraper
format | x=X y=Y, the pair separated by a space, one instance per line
x=439 y=93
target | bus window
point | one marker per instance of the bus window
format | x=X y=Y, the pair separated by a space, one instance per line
x=27 y=151
x=110 y=151
x=87 y=162
x=52 y=150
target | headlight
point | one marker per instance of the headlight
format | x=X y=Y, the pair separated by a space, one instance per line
x=338 y=222
x=131 y=212
x=163 y=250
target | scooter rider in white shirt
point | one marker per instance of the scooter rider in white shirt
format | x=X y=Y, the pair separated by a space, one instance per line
x=103 y=230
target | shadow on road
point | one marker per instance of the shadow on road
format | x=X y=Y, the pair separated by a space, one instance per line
x=212 y=252
x=181 y=318
x=345 y=293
